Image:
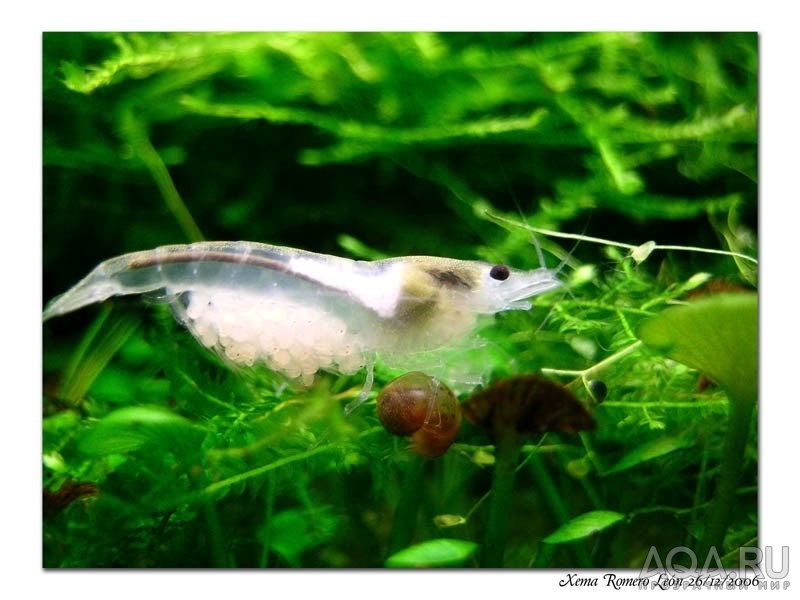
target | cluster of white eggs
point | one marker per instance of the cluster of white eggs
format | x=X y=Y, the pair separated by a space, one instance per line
x=293 y=339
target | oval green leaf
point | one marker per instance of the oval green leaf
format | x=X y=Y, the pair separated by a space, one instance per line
x=134 y=427
x=650 y=450
x=583 y=526
x=433 y=553
x=717 y=335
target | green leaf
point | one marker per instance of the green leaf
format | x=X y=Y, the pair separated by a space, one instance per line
x=650 y=450
x=135 y=427
x=433 y=553
x=294 y=531
x=583 y=526
x=717 y=335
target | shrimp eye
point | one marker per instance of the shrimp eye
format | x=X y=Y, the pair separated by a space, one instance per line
x=499 y=272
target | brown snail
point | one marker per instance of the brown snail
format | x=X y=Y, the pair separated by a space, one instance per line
x=421 y=407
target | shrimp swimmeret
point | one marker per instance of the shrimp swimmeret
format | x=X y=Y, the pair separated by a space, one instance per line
x=299 y=312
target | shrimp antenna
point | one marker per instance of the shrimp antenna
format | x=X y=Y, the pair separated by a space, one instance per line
x=539 y=253
x=574 y=246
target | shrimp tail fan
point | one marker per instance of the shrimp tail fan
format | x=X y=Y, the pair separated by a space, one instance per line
x=110 y=278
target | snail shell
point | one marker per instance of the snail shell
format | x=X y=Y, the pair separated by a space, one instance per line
x=597 y=389
x=420 y=407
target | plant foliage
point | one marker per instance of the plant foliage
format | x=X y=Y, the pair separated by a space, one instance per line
x=156 y=454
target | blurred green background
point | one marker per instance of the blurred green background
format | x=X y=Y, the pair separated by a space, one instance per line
x=367 y=145
x=297 y=138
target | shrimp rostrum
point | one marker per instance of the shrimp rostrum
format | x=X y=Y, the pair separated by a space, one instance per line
x=299 y=312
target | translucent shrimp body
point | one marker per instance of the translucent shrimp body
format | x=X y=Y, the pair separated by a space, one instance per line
x=298 y=312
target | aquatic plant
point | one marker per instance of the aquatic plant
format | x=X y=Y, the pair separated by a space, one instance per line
x=631 y=158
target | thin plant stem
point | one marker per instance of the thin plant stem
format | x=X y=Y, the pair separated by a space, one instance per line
x=719 y=516
x=632 y=247
x=554 y=502
x=266 y=541
x=221 y=485
x=215 y=539
x=585 y=373
x=405 y=514
x=506 y=452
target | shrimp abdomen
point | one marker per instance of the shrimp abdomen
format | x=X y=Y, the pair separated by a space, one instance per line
x=173 y=269
x=249 y=302
x=109 y=278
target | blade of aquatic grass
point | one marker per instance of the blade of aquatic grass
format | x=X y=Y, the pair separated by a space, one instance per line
x=109 y=331
x=135 y=132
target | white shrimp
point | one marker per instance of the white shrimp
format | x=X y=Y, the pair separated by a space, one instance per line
x=299 y=312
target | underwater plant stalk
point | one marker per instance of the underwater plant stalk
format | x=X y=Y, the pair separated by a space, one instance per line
x=405 y=516
x=263 y=560
x=505 y=458
x=719 y=518
x=718 y=335
x=214 y=536
x=553 y=500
